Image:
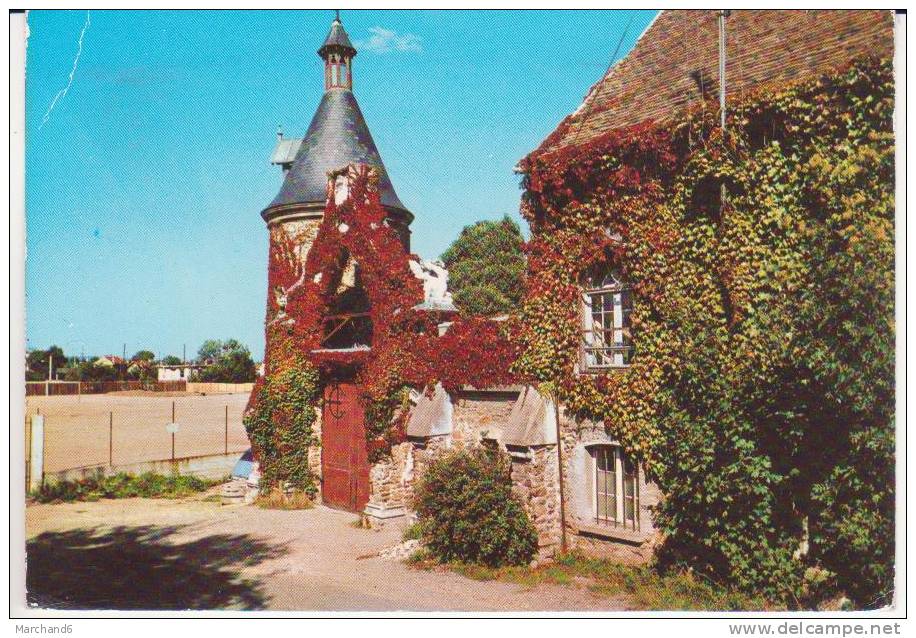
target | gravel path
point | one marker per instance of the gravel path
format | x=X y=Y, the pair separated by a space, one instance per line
x=197 y=554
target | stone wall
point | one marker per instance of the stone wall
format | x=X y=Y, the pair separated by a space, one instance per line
x=479 y=415
x=314 y=454
x=535 y=481
x=482 y=416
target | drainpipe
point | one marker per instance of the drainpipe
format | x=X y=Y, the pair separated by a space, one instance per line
x=556 y=412
x=723 y=14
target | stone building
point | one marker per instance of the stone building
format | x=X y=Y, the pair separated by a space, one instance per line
x=606 y=501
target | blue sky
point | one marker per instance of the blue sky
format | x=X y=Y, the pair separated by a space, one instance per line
x=145 y=182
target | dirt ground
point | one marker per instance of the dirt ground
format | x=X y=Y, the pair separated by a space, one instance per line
x=198 y=554
x=77 y=428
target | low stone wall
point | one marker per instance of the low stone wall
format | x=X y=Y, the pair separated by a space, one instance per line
x=210 y=467
x=536 y=482
x=219 y=388
x=479 y=417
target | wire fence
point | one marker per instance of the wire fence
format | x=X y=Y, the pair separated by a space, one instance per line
x=111 y=431
x=58 y=388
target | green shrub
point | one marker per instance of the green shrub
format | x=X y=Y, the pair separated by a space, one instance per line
x=414 y=532
x=467 y=512
x=122 y=485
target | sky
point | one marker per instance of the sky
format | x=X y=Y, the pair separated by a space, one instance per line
x=148 y=137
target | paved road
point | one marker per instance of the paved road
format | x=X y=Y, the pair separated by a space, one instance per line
x=195 y=554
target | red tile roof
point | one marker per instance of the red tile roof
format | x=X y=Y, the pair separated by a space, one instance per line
x=679 y=53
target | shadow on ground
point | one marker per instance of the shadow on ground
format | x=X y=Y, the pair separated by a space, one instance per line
x=141 y=568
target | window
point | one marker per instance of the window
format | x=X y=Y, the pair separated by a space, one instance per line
x=606 y=311
x=616 y=495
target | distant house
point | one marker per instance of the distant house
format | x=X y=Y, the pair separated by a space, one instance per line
x=109 y=361
x=178 y=372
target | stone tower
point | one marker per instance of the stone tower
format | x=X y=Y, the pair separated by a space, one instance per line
x=337 y=136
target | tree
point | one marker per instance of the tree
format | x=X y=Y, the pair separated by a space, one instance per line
x=144 y=355
x=36 y=364
x=209 y=350
x=89 y=371
x=171 y=360
x=227 y=361
x=486 y=267
x=213 y=349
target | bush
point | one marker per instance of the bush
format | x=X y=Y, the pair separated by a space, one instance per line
x=122 y=485
x=468 y=514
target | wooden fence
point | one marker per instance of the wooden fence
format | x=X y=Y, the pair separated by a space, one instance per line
x=56 y=388
x=219 y=388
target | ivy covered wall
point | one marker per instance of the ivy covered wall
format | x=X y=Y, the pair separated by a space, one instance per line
x=760 y=397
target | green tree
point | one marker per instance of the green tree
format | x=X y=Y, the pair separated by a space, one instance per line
x=171 y=360
x=227 y=361
x=144 y=355
x=36 y=363
x=486 y=267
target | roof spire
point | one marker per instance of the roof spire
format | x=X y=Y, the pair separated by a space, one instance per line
x=338 y=53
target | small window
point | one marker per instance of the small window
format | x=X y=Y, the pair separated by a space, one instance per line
x=606 y=309
x=616 y=493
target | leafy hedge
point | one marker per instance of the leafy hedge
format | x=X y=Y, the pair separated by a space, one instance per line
x=761 y=394
x=122 y=485
x=468 y=514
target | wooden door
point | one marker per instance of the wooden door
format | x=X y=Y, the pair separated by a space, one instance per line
x=344 y=459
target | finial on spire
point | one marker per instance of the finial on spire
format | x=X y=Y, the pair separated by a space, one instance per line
x=336 y=15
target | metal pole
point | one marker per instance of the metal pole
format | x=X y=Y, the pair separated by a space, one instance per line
x=110 y=438
x=722 y=15
x=226 y=433
x=556 y=412
x=173 y=433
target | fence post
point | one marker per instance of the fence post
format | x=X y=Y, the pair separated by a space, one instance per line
x=173 y=432
x=226 y=433
x=110 y=438
x=36 y=453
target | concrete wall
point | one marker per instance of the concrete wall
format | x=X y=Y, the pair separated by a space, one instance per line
x=220 y=388
x=213 y=466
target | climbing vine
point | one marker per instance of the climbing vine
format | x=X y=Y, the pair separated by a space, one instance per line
x=760 y=393
x=354 y=240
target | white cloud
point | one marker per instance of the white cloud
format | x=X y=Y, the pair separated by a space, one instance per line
x=385 y=40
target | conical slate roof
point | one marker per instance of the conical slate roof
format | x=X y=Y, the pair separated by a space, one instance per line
x=337 y=136
x=337 y=36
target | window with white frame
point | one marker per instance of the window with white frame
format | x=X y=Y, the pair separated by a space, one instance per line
x=615 y=497
x=606 y=307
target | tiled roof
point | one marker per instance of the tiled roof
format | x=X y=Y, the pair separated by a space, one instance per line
x=675 y=62
x=337 y=136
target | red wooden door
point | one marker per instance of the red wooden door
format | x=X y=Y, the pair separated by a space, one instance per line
x=344 y=459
